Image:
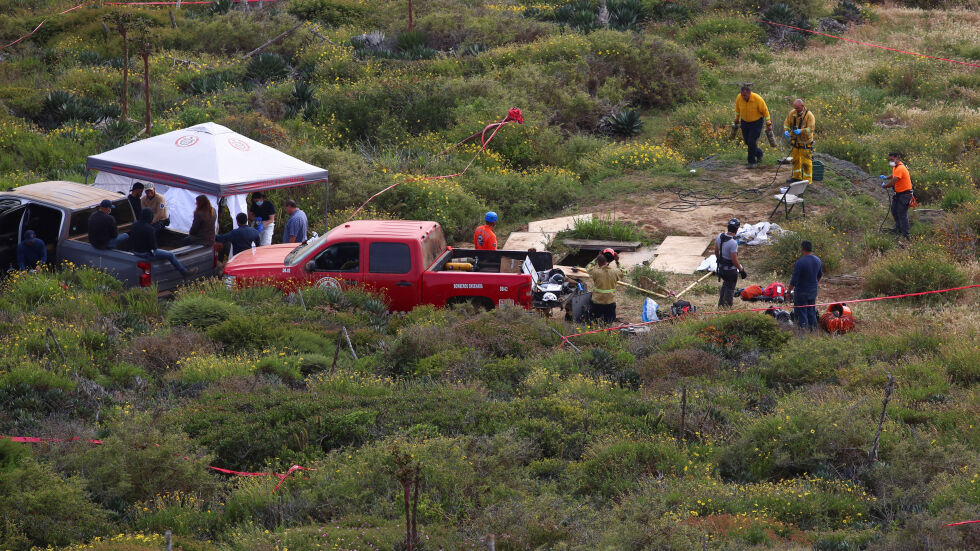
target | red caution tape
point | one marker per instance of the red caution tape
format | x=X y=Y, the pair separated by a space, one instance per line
x=871 y=45
x=564 y=338
x=962 y=523
x=43 y=21
x=281 y=476
x=513 y=115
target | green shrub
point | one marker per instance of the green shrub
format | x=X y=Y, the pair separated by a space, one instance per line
x=804 y=362
x=12 y=454
x=266 y=66
x=526 y=193
x=662 y=369
x=784 y=250
x=602 y=228
x=200 y=311
x=504 y=375
x=241 y=333
x=286 y=368
x=922 y=268
x=956 y=196
x=333 y=13
x=208 y=368
x=962 y=362
x=610 y=468
x=624 y=124
x=122 y=374
x=138 y=460
x=39 y=508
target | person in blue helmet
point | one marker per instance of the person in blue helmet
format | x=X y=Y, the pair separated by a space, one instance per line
x=483 y=238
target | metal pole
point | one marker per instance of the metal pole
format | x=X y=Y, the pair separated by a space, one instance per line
x=326 y=206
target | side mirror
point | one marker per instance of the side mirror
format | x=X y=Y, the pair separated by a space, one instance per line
x=310 y=267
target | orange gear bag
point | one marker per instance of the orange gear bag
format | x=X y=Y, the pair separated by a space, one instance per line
x=751 y=292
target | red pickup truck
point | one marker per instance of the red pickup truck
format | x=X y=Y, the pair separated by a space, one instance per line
x=403 y=259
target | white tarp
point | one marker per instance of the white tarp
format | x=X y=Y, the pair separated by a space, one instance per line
x=180 y=202
x=758 y=234
x=207 y=158
x=709 y=264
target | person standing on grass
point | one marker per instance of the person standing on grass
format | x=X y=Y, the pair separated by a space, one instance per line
x=483 y=238
x=807 y=273
x=798 y=127
x=297 y=224
x=729 y=268
x=263 y=213
x=750 y=112
x=901 y=182
x=604 y=281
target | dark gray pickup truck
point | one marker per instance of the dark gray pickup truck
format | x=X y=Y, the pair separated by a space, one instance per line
x=58 y=212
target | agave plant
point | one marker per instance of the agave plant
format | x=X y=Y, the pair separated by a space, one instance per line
x=266 y=66
x=625 y=123
x=626 y=14
x=847 y=12
x=219 y=7
x=303 y=93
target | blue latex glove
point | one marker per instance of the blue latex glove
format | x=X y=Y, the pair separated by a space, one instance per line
x=786 y=133
x=797 y=131
x=259 y=227
x=883 y=177
x=883 y=184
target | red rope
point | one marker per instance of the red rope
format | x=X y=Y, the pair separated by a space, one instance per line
x=43 y=21
x=962 y=523
x=871 y=45
x=281 y=476
x=565 y=338
x=513 y=115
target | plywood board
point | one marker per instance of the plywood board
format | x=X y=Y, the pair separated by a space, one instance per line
x=524 y=240
x=635 y=258
x=555 y=225
x=600 y=244
x=677 y=264
x=684 y=245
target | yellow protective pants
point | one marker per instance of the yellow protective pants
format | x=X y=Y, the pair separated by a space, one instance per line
x=802 y=163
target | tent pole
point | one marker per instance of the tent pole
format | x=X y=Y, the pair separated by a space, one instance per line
x=86 y=176
x=326 y=206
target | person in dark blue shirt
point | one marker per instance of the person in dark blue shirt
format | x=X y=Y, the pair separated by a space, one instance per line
x=807 y=273
x=31 y=252
x=241 y=238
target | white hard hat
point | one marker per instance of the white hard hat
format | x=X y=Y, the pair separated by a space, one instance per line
x=549 y=297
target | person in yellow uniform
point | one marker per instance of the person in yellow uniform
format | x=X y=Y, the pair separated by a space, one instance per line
x=750 y=113
x=798 y=127
x=604 y=281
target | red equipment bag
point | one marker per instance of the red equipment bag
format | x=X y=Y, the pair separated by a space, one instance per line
x=775 y=290
x=751 y=292
x=838 y=319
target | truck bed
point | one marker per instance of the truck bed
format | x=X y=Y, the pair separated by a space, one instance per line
x=123 y=264
x=490 y=261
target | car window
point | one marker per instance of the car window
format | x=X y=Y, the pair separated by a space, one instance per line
x=389 y=258
x=339 y=257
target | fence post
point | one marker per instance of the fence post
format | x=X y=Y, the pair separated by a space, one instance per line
x=170 y=544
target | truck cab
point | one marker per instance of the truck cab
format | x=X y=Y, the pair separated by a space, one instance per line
x=405 y=260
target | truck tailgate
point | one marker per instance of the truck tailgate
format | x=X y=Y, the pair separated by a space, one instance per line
x=501 y=289
x=124 y=265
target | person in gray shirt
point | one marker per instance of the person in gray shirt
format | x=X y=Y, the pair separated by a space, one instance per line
x=296 y=226
x=729 y=268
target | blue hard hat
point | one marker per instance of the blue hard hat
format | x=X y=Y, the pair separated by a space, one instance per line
x=491 y=217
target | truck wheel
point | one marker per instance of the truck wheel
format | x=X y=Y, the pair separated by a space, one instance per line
x=478 y=303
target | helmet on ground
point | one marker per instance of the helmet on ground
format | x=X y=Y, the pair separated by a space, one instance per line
x=490 y=217
x=558 y=278
x=734 y=224
x=549 y=297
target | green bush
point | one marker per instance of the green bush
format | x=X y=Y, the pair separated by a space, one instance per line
x=610 y=468
x=962 y=362
x=804 y=362
x=922 y=268
x=40 y=508
x=199 y=311
x=209 y=368
x=602 y=228
x=266 y=66
x=241 y=333
x=784 y=250
x=286 y=368
x=334 y=13
x=139 y=460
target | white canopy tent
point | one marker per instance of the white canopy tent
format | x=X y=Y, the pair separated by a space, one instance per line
x=206 y=159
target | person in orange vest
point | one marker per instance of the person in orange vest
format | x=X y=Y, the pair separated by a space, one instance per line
x=483 y=238
x=901 y=182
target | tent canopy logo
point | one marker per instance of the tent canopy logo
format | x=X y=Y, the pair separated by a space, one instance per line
x=238 y=144
x=186 y=141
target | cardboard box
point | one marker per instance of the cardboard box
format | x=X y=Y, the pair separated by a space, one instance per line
x=510 y=265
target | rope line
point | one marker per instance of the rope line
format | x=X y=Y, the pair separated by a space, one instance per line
x=872 y=45
x=565 y=338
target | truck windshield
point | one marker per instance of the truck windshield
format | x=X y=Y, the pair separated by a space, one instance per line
x=296 y=254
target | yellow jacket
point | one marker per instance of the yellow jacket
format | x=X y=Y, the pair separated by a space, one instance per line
x=805 y=122
x=752 y=110
x=604 y=280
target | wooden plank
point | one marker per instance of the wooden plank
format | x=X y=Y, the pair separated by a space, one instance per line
x=598 y=245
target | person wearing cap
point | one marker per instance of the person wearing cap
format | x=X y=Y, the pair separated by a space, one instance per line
x=145 y=242
x=296 y=225
x=155 y=202
x=31 y=252
x=263 y=214
x=103 y=232
x=136 y=198
x=750 y=113
x=483 y=238
x=729 y=268
x=604 y=280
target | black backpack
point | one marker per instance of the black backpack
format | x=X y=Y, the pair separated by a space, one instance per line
x=682 y=307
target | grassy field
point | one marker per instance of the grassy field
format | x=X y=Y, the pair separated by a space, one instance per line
x=507 y=433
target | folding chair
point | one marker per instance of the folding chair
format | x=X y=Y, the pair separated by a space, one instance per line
x=791 y=198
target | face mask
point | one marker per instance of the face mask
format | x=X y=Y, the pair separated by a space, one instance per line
x=259 y=202
x=892 y=163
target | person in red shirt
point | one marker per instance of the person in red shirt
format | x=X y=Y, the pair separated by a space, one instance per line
x=901 y=182
x=483 y=238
